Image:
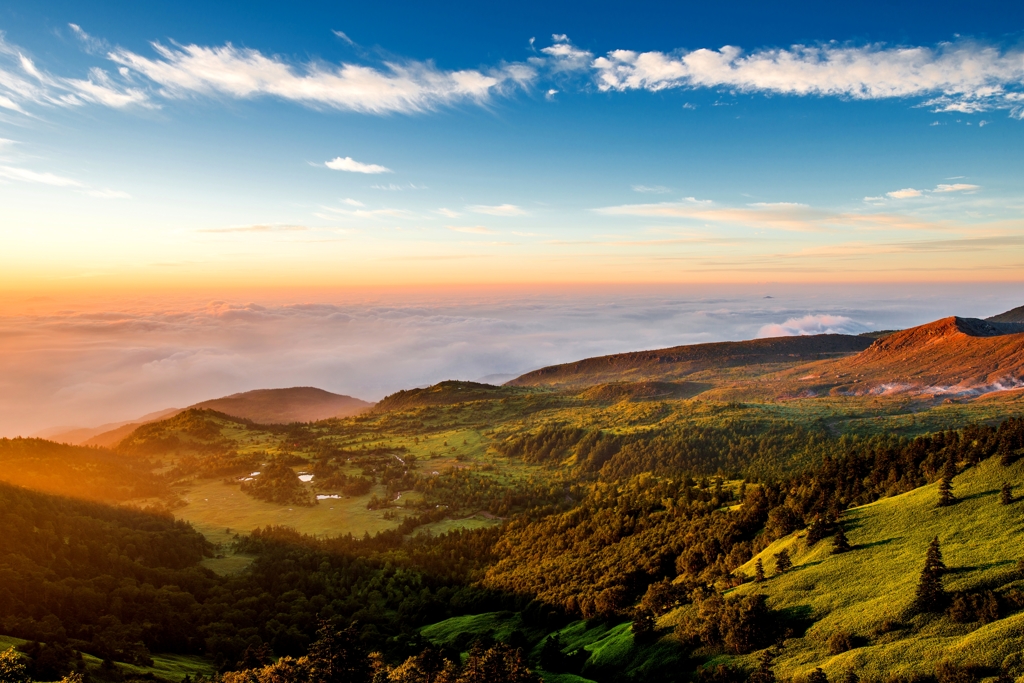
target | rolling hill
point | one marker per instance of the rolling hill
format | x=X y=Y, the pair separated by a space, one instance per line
x=266 y=406
x=86 y=435
x=282 y=406
x=953 y=357
x=681 y=362
x=867 y=593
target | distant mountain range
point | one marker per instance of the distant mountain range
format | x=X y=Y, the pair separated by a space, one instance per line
x=266 y=406
x=951 y=357
x=681 y=362
x=958 y=357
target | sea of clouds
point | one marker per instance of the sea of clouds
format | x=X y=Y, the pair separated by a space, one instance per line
x=118 y=360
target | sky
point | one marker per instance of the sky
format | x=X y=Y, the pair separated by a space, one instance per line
x=466 y=158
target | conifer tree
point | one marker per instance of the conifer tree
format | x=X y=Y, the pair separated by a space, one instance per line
x=931 y=596
x=782 y=561
x=759 y=571
x=946 y=496
x=1006 y=497
x=816 y=531
x=851 y=677
x=764 y=673
x=817 y=676
x=840 y=544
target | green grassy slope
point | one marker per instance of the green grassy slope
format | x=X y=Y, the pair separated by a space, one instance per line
x=857 y=592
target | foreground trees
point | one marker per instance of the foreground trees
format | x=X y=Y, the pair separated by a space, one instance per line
x=931 y=596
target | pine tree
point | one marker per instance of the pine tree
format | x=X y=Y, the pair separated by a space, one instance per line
x=851 y=677
x=946 y=496
x=1006 y=497
x=931 y=596
x=817 y=676
x=816 y=531
x=759 y=571
x=764 y=673
x=840 y=544
x=782 y=561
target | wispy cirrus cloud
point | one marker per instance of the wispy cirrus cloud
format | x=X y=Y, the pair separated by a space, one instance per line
x=910 y=192
x=23 y=83
x=651 y=189
x=788 y=216
x=962 y=76
x=40 y=177
x=352 y=166
x=25 y=175
x=499 y=210
x=244 y=73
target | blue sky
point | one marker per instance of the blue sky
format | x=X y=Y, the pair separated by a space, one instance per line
x=167 y=144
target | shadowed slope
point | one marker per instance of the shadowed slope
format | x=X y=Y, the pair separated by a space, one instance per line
x=1015 y=315
x=681 y=361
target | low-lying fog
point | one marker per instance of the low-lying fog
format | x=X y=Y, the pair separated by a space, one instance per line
x=91 y=364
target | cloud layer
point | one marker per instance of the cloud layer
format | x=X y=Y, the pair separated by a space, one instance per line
x=87 y=366
x=821 y=323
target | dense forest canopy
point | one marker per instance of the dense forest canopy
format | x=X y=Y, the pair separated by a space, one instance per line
x=623 y=529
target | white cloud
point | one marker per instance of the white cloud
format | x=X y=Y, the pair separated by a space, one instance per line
x=651 y=189
x=472 y=229
x=905 y=193
x=500 y=210
x=406 y=87
x=343 y=36
x=566 y=57
x=92 y=45
x=812 y=324
x=966 y=76
x=956 y=187
x=353 y=202
x=448 y=213
x=397 y=188
x=942 y=188
x=353 y=166
x=768 y=215
x=23 y=84
x=26 y=176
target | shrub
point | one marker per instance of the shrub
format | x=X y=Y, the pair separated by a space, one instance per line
x=840 y=642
